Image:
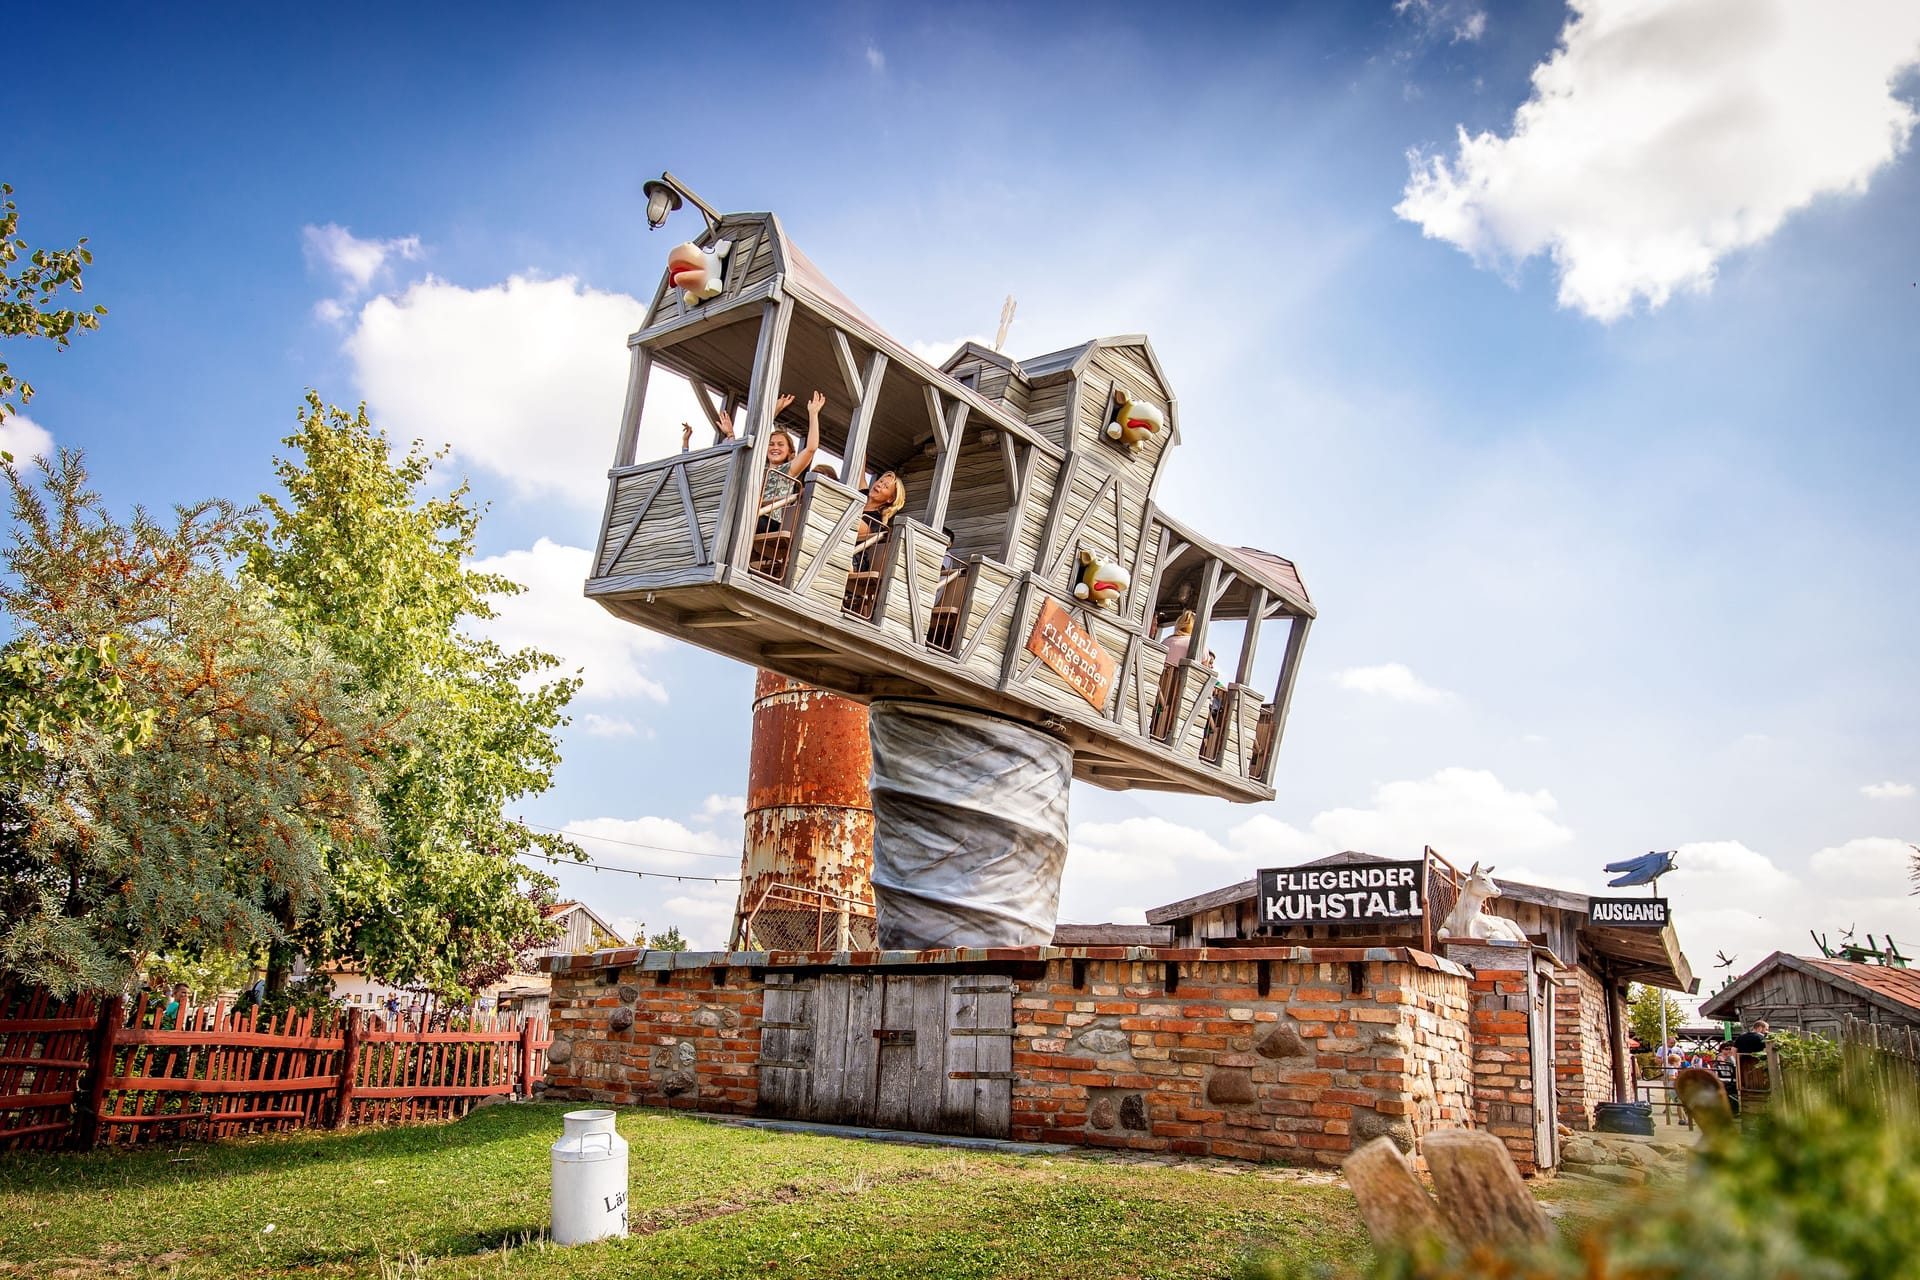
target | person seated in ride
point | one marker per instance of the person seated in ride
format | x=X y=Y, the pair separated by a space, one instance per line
x=1181 y=640
x=785 y=466
x=884 y=499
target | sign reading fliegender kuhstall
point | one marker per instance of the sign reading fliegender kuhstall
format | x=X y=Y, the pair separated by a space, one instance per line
x=1627 y=913
x=1362 y=893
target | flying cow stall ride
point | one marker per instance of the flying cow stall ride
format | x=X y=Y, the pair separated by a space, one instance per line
x=1002 y=623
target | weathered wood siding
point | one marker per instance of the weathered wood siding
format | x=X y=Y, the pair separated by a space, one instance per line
x=657 y=507
x=910 y=581
x=1048 y=408
x=931 y=1054
x=825 y=554
x=1030 y=522
x=1035 y=679
x=987 y=617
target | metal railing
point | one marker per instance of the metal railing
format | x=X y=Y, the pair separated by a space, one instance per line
x=791 y=917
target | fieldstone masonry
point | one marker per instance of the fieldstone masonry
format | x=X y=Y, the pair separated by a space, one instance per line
x=1288 y=1054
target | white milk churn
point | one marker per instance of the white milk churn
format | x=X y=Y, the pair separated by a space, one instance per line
x=589 y=1179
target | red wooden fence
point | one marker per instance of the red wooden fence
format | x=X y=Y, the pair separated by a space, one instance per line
x=106 y=1072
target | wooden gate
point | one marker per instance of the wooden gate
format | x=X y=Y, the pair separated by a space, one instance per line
x=924 y=1054
x=1546 y=1103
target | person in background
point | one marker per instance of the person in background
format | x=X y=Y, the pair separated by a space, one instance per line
x=1726 y=1065
x=170 y=1016
x=884 y=499
x=1753 y=1039
x=1182 y=638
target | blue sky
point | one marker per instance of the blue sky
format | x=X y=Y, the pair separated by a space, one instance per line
x=1595 y=444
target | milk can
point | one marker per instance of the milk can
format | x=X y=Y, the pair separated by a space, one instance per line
x=589 y=1179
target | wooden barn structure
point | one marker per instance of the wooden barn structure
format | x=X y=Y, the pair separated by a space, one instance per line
x=1012 y=478
x=1817 y=995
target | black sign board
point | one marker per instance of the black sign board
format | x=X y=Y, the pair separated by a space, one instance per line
x=1626 y=913
x=1358 y=893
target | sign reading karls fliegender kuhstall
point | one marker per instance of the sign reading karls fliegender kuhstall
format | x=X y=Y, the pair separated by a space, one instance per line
x=1627 y=913
x=1361 y=893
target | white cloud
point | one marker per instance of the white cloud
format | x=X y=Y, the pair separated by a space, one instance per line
x=1887 y=790
x=655 y=844
x=1452 y=19
x=717 y=806
x=353 y=261
x=553 y=616
x=1466 y=814
x=599 y=726
x=1872 y=867
x=876 y=60
x=1661 y=137
x=1391 y=680
x=937 y=351
x=524 y=379
x=24 y=438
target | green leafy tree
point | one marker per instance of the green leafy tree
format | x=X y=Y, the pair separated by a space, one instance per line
x=1643 y=1013
x=209 y=976
x=668 y=941
x=357 y=554
x=253 y=753
x=27 y=295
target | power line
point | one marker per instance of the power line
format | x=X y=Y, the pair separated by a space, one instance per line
x=631 y=844
x=629 y=871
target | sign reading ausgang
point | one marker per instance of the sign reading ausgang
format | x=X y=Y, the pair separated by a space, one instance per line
x=1364 y=893
x=1627 y=913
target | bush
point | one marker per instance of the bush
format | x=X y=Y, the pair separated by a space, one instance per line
x=1826 y=1187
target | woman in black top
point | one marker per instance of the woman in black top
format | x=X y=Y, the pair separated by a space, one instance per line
x=885 y=497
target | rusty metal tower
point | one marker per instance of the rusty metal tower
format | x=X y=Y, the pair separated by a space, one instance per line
x=805 y=872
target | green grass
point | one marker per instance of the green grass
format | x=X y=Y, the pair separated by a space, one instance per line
x=470 y=1199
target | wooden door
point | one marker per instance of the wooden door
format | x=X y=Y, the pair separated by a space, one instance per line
x=927 y=1054
x=1546 y=1105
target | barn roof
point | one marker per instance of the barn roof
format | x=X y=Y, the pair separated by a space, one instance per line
x=1893 y=989
x=1652 y=956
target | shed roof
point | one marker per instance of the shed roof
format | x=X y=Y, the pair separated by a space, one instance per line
x=1652 y=956
x=1893 y=989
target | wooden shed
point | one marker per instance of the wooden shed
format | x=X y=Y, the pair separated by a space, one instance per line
x=1015 y=480
x=1817 y=995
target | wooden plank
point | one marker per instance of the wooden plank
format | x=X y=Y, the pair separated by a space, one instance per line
x=638 y=370
x=956 y=1099
x=843 y=354
x=1209 y=579
x=1283 y=693
x=864 y=996
x=929 y=1052
x=893 y=1069
x=1248 y=646
x=993 y=1062
x=1073 y=534
x=854 y=459
x=827 y=1100
x=776 y=1080
x=692 y=513
x=944 y=464
x=659 y=483
x=769 y=356
x=828 y=548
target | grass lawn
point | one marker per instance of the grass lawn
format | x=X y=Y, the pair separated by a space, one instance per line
x=470 y=1199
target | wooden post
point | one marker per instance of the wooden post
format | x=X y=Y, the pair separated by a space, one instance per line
x=1283 y=693
x=1617 y=1036
x=629 y=443
x=854 y=462
x=769 y=356
x=1480 y=1190
x=1396 y=1208
x=1250 y=644
x=349 y=1068
x=100 y=1067
x=947 y=436
x=526 y=1056
x=1203 y=610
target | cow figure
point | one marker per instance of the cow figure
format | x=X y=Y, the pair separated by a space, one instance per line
x=697 y=272
x=1102 y=581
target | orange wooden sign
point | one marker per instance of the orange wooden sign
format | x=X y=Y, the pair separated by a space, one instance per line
x=1058 y=641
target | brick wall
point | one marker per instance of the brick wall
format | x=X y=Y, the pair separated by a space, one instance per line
x=1336 y=1052
x=1583 y=1047
x=686 y=1037
x=1340 y=1047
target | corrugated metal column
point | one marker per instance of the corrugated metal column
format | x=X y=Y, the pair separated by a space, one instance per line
x=809 y=822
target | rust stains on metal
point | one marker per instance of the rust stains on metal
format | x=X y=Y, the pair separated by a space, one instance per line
x=805 y=873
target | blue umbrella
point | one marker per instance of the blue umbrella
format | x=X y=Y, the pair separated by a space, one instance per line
x=1641 y=870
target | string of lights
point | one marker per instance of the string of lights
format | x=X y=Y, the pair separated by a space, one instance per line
x=629 y=871
x=631 y=844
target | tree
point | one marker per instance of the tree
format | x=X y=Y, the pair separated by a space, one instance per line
x=356 y=554
x=27 y=295
x=668 y=941
x=252 y=753
x=1643 y=1013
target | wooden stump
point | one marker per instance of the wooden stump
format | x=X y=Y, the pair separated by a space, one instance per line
x=1480 y=1191
x=1396 y=1208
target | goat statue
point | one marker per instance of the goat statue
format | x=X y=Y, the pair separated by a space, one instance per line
x=1467 y=921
